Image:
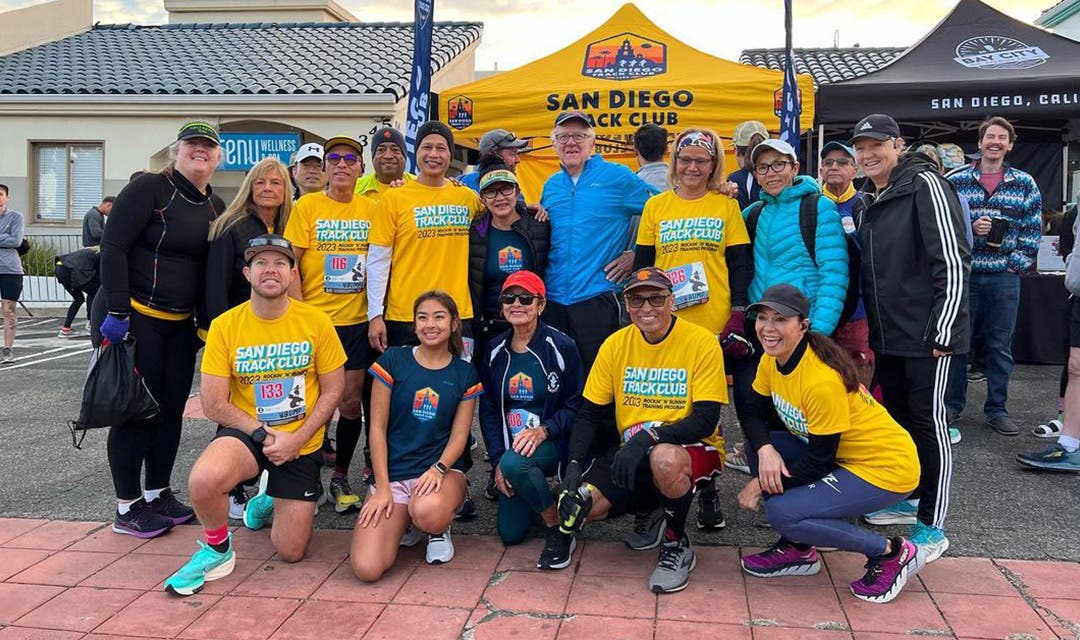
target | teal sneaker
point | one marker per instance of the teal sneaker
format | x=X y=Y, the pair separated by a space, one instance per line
x=1056 y=458
x=206 y=565
x=954 y=435
x=259 y=511
x=902 y=512
x=931 y=542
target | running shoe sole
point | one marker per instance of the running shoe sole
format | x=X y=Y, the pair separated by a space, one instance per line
x=686 y=583
x=744 y=468
x=264 y=478
x=890 y=518
x=705 y=526
x=652 y=543
x=908 y=570
x=933 y=551
x=145 y=535
x=217 y=573
x=800 y=569
x=564 y=564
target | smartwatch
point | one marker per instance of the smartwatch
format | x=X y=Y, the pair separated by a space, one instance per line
x=440 y=467
x=258 y=436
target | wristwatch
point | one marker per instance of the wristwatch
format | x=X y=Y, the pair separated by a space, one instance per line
x=258 y=436
x=440 y=467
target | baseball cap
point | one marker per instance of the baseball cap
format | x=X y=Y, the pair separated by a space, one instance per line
x=648 y=277
x=837 y=146
x=309 y=150
x=500 y=139
x=567 y=116
x=775 y=144
x=784 y=299
x=746 y=130
x=497 y=175
x=877 y=126
x=348 y=141
x=199 y=129
x=527 y=280
x=269 y=242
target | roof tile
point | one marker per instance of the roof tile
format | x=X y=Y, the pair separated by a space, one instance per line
x=825 y=65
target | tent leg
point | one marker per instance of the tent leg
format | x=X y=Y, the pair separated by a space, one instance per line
x=1064 y=175
x=820 y=141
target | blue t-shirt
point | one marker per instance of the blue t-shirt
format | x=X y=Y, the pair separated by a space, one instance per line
x=524 y=392
x=507 y=252
x=422 y=407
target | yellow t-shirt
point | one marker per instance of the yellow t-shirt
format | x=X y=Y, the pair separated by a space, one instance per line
x=370 y=187
x=274 y=366
x=812 y=399
x=691 y=237
x=333 y=269
x=428 y=228
x=656 y=384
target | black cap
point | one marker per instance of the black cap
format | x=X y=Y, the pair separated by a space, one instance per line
x=567 y=116
x=784 y=299
x=269 y=242
x=877 y=126
x=199 y=129
x=648 y=277
x=437 y=128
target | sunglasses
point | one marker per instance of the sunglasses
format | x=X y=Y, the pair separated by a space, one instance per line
x=524 y=298
x=637 y=302
x=349 y=158
x=840 y=162
x=269 y=242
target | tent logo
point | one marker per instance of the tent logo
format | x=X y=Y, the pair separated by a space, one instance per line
x=625 y=56
x=459 y=111
x=998 y=52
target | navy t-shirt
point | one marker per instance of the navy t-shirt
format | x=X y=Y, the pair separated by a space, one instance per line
x=524 y=392
x=422 y=407
x=507 y=252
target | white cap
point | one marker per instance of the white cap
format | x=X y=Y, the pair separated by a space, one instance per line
x=776 y=145
x=309 y=150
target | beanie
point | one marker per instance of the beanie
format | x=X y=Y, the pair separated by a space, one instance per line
x=387 y=134
x=437 y=128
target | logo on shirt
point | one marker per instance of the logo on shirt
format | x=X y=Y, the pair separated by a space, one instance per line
x=521 y=387
x=442 y=220
x=510 y=259
x=793 y=418
x=625 y=56
x=706 y=230
x=459 y=111
x=998 y=52
x=270 y=361
x=425 y=404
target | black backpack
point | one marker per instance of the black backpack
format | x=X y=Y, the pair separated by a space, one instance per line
x=808 y=229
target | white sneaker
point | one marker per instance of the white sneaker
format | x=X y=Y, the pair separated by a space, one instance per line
x=7 y=355
x=66 y=332
x=440 y=548
x=413 y=536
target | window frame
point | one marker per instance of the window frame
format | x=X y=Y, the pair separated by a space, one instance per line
x=33 y=178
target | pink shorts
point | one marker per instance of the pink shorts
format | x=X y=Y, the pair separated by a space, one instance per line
x=401 y=490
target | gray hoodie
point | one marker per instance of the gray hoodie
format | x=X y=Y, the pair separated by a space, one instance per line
x=1072 y=265
x=11 y=235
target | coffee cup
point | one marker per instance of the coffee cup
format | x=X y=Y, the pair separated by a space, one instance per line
x=998 y=227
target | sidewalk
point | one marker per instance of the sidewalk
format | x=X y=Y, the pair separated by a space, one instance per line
x=68 y=580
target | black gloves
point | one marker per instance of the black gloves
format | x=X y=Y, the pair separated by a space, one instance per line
x=624 y=466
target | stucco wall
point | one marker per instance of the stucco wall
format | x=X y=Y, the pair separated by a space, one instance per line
x=38 y=24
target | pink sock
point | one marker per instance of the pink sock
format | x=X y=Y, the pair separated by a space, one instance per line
x=217 y=536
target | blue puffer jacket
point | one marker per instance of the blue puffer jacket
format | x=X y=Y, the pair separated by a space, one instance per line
x=780 y=255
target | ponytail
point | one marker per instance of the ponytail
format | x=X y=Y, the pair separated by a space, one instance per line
x=835 y=357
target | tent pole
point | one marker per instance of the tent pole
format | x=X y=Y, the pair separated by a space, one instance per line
x=820 y=140
x=1064 y=175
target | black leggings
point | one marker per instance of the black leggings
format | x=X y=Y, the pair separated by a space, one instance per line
x=165 y=356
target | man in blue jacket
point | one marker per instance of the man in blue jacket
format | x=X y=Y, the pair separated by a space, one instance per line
x=591 y=202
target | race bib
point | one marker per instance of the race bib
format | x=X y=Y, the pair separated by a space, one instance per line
x=689 y=285
x=344 y=273
x=635 y=429
x=281 y=401
x=519 y=420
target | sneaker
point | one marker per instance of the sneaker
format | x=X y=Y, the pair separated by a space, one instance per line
x=558 y=550
x=902 y=512
x=168 y=506
x=931 y=542
x=954 y=435
x=1004 y=425
x=467 y=510
x=672 y=572
x=329 y=456
x=412 y=537
x=736 y=459
x=975 y=375
x=345 y=500
x=886 y=575
x=367 y=474
x=141 y=521
x=237 y=501
x=648 y=531
x=491 y=491
x=260 y=507
x=7 y=355
x=206 y=565
x=783 y=559
x=65 y=332
x=440 y=548
x=1056 y=458
x=709 y=515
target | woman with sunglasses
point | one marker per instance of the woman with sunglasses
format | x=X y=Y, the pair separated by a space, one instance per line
x=421 y=410
x=534 y=379
x=697 y=236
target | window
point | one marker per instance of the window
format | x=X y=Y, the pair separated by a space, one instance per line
x=68 y=179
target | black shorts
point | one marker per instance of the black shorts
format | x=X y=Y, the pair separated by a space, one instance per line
x=10 y=286
x=1074 y=321
x=354 y=339
x=643 y=498
x=294 y=480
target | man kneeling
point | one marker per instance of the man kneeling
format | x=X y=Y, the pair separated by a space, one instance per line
x=664 y=380
x=272 y=375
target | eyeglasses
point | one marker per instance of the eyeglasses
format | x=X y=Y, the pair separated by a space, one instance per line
x=840 y=162
x=776 y=166
x=637 y=302
x=690 y=162
x=524 y=298
x=563 y=138
x=506 y=190
x=350 y=158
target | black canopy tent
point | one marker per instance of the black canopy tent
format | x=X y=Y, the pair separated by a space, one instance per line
x=975 y=63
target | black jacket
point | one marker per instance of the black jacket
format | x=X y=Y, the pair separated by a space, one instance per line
x=536 y=234
x=915 y=264
x=226 y=285
x=83 y=267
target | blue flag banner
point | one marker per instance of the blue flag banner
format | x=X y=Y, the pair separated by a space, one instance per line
x=791 y=107
x=420 y=83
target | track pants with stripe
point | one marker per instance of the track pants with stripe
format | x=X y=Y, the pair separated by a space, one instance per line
x=913 y=391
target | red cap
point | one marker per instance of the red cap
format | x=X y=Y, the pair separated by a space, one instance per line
x=528 y=281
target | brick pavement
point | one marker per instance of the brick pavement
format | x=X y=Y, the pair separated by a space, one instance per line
x=68 y=580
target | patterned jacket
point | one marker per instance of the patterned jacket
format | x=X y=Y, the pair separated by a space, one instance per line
x=1016 y=198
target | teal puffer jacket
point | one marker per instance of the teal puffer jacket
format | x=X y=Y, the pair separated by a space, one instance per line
x=780 y=255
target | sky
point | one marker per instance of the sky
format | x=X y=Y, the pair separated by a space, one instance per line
x=519 y=31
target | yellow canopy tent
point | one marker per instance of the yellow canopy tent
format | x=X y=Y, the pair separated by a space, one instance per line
x=626 y=73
